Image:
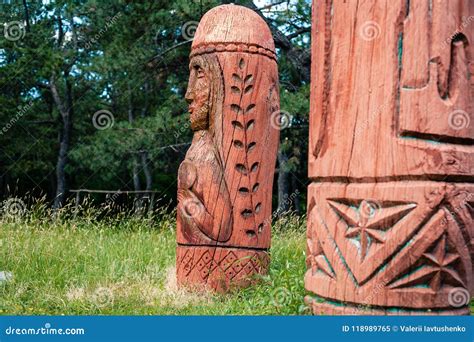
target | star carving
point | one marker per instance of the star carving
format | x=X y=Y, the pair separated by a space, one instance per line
x=368 y=222
x=438 y=268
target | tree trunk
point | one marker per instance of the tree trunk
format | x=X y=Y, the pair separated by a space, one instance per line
x=146 y=169
x=135 y=174
x=65 y=109
x=61 y=183
x=283 y=183
x=27 y=15
x=136 y=160
x=144 y=153
x=296 y=195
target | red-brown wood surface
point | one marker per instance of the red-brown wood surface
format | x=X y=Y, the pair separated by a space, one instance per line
x=225 y=182
x=390 y=207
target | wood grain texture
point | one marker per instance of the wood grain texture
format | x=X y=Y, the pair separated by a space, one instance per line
x=389 y=101
x=225 y=182
x=390 y=209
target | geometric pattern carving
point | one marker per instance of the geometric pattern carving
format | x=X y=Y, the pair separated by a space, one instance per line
x=437 y=268
x=368 y=222
x=320 y=263
x=219 y=267
x=390 y=253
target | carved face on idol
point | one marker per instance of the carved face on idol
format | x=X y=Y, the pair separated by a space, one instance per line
x=197 y=95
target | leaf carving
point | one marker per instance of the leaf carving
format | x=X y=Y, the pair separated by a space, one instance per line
x=238 y=144
x=248 y=89
x=237 y=124
x=243 y=191
x=237 y=78
x=241 y=168
x=236 y=108
x=246 y=213
x=250 y=124
x=249 y=108
x=254 y=167
x=248 y=79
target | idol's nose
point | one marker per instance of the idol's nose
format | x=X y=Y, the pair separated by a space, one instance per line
x=189 y=96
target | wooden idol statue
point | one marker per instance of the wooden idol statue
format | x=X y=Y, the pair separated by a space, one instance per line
x=225 y=182
x=391 y=157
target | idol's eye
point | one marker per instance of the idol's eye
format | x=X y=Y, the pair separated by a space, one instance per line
x=199 y=71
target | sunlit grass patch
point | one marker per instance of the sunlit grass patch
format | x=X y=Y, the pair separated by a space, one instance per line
x=77 y=264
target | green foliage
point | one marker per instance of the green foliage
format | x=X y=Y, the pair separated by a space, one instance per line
x=131 y=60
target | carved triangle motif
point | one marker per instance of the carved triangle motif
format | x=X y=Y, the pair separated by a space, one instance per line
x=320 y=263
x=439 y=266
x=368 y=221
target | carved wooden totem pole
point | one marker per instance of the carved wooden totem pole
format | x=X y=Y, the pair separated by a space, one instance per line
x=225 y=182
x=390 y=207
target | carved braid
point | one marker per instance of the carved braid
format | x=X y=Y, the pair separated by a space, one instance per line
x=205 y=48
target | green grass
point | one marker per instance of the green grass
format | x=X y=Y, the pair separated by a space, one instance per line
x=125 y=266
